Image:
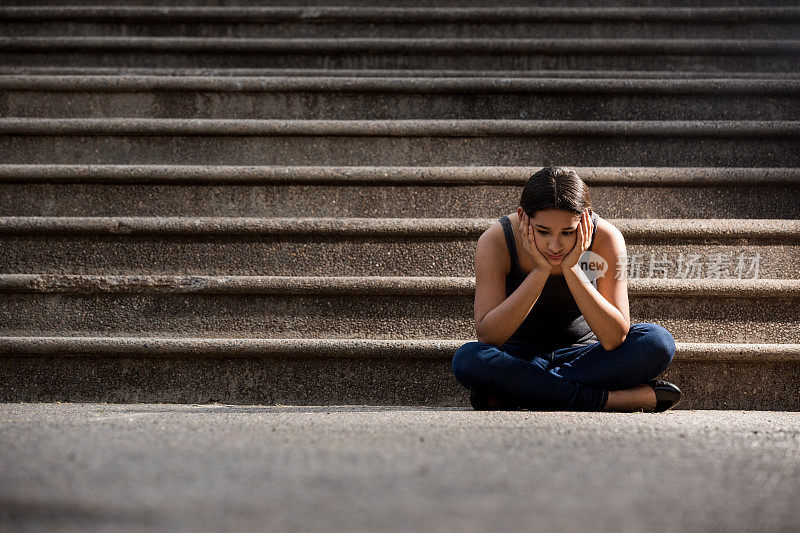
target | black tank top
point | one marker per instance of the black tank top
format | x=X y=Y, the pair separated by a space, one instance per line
x=555 y=321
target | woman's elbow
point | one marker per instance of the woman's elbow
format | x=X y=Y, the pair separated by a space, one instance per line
x=608 y=346
x=480 y=332
x=484 y=338
x=487 y=339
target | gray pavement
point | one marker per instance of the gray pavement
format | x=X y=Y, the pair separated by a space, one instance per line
x=142 y=467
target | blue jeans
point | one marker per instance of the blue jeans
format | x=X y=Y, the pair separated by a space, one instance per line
x=573 y=378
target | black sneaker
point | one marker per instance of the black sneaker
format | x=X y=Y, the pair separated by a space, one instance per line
x=480 y=402
x=667 y=395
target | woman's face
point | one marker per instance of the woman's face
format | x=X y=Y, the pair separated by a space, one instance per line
x=555 y=232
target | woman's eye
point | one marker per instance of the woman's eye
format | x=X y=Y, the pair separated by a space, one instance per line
x=562 y=233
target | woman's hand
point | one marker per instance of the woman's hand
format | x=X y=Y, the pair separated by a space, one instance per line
x=540 y=262
x=585 y=228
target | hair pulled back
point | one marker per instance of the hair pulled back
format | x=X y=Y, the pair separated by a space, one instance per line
x=555 y=188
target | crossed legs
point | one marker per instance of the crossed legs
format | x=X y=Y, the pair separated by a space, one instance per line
x=578 y=378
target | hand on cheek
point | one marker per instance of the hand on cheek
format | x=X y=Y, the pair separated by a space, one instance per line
x=581 y=243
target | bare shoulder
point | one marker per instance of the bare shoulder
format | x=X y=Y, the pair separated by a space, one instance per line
x=610 y=245
x=492 y=247
x=608 y=238
x=614 y=285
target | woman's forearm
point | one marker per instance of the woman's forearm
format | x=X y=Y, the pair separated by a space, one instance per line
x=501 y=322
x=607 y=322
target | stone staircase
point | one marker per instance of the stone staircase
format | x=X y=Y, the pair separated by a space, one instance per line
x=280 y=205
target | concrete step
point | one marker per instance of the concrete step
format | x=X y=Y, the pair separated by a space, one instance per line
x=709 y=310
x=394 y=192
x=399 y=142
x=366 y=247
x=398 y=98
x=287 y=371
x=406 y=3
x=340 y=348
x=390 y=73
x=417 y=22
x=368 y=53
x=178 y=301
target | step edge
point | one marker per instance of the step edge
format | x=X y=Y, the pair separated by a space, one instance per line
x=595 y=46
x=468 y=175
x=439 y=73
x=401 y=14
x=393 y=128
x=775 y=230
x=364 y=285
x=382 y=85
x=352 y=347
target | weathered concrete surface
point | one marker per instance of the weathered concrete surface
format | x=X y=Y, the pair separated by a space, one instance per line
x=668 y=229
x=745 y=201
x=786 y=29
x=308 y=380
x=343 y=106
x=479 y=54
x=392 y=175
x=101 y=467
x=413 y=3
x=370 y=73
x=395 y=128
x=236 y=255
x=418 y=192
x=318 y=308
x=395 y=98
x=499 y=22
x=612 y=143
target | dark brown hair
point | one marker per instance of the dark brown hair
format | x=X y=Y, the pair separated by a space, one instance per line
x=555 y=187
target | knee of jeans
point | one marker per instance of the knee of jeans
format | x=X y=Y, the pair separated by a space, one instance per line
x=660 y=342
x=464 y=362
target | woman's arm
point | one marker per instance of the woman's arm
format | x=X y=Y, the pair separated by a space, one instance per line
x=605 y=308
x=498 y=317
